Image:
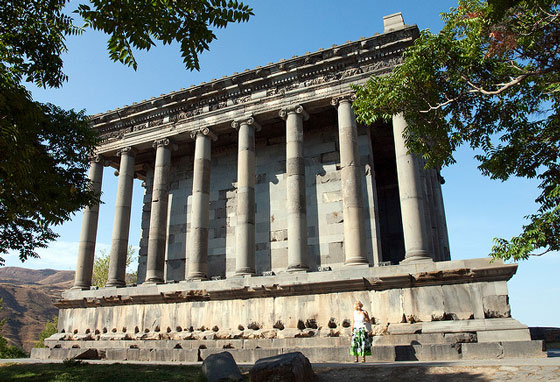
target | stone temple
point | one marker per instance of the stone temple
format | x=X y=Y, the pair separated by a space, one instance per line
x=268 y=211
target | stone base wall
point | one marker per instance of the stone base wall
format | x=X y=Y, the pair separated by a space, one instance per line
x=287 y=316
x=424 y=304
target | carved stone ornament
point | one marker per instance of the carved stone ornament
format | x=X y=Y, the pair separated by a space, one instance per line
x=248 y=120
x=206 y=131
x=375 y=56
x=349 y=97
x=161 y=142
x=155 y=122
x=297 y=109
x=129 y=150
x=98 y=159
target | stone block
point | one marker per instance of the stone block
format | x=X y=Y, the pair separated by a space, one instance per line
x=116 y=354
x=243 y=355
x=496 y=306
x=488 y=350
x=336 y=251
x=330 y=157
x=524 y=349
x=462 y=301
x=335 y=218
x=387 y=307
x=331 y=197
x=285 y=367
x=421 y=304
x=335 y=229
x=325 y=354
x=328 y=177
x=279 y=235
x=407 y=339
x=40 y=353
x=313 y=148
x=436 y=352
x=503 y=335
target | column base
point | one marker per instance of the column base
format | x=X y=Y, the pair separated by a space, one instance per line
x=356 y=261
x=81 y=287
x=297 y=268
x=419 y=258
x=198 y=276
x=154 y=281
x=115 y=284
x=244 y=272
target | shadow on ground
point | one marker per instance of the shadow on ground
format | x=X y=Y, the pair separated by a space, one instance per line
x=82 y=372
x=398 y=374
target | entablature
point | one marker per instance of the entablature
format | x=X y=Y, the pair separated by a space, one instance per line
x=311 y=79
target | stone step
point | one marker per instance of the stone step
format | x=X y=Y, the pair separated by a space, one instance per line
x=415 y=352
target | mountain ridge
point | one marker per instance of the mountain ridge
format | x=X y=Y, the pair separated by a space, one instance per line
x=28 y=296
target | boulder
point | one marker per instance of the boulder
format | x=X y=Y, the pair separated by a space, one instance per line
x=221 y=367
x=290 y=367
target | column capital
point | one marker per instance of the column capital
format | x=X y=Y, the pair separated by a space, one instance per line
x=297 y=109
x=206 y=131
x=96 y=158
x=129 y=150
x=247 y=120
x=161 y=143
x=348 y=97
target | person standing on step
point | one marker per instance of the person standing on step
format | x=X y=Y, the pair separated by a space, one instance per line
x=360 y=338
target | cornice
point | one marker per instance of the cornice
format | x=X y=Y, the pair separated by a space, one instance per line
x=352 y=61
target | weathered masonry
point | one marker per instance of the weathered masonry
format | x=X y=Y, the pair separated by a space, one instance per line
x=267 y=212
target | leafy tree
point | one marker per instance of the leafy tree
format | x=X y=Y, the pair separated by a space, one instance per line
x=101 y=268
x=7 y=350
x=44 y=149
x=490 y=80
x=51 y=327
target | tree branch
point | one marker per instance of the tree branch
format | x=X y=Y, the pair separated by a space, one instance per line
x=502 y=87
x=540 y=254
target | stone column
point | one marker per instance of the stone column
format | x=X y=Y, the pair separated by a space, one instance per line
x=441 y=221
x=245 y=227
x=198 y=244
x=121 y=223
x=86 y=248
x=351 y=177
x=416 y=242
x=295 y=171
x=158 y=213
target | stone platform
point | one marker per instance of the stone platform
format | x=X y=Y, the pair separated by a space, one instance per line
x=424 y=311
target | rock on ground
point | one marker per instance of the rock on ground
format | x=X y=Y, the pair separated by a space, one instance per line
x=221 y=367
x=289 y=367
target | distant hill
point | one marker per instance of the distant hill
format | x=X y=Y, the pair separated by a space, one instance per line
x=28 y=295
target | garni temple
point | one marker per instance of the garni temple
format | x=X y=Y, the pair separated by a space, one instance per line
x=268 y=211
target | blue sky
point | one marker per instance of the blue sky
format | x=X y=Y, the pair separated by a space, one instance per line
x=477 y=208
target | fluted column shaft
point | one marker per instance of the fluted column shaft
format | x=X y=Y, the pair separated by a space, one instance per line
x=86 y=248
x=158 y=213
x=200 y=211
x=245 y=227
x=352 y=199
x=416 y=242
x=295 y=188
x=121 y=224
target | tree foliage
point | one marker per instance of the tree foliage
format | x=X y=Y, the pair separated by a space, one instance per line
x=101 y=268
x=490 y=80
x=51 y=327
x=43 y=160
x=44 y=149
